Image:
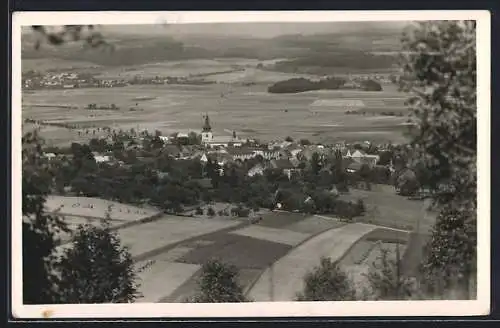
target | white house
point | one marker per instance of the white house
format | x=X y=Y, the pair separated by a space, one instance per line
x=164 y=139
x=49 y=156
x=102 y=159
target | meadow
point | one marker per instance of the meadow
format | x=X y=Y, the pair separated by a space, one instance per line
x=249 y=110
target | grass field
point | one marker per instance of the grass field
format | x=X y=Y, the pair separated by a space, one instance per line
x=288 y=272
x=168 y=275
x=44 y=64
x=180 y=108
x=281 y=236
x=314 y=225
x=386 y=208
x=168 y=230
x=96 y=208
x=241 y=251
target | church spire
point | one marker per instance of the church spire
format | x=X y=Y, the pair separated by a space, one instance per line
x=206 y=126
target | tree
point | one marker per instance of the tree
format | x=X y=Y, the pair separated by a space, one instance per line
x=218 y=284
x=385 y=278
x=70 y=33
x=40 y=230
x=439 y=71
x=327 y=282
x=315 y=163
x=289 y=139
x=97 y=269
x=305 y=142
x=210 y=212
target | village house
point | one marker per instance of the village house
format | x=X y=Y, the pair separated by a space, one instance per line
x=102 y=158
x=285 y=166
x=50 y=156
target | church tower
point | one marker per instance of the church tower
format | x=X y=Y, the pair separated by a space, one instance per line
x=206 y=133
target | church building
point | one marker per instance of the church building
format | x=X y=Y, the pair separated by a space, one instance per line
x=209 y=140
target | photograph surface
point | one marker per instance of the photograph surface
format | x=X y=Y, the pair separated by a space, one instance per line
x=248 y=164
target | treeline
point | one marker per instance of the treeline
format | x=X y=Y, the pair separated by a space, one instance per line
x=296 y=85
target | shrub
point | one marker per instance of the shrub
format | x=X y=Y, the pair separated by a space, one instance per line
x=218 y=284
x=97 y=269
x=361 y=206
x=327 y=283
x=210 y=211
x=387 y=281
x=199 y=211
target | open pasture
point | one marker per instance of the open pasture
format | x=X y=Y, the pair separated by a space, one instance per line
x=314 y=224
x=240 y=251
x=168 y=230
x=231 y=107
x=45 y=64
x=391 y=210
x=162 y=278
x=277 y=219
x=97 y=208
x=281 y=236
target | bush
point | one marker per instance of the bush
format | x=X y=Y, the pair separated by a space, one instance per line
x=327 y=283
x=218 y=284
x=386 y=280
x=361 y=206
x=199 y=211
x=240 y=211
x=210 y=212
x=97 y=269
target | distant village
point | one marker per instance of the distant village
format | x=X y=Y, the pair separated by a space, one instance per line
x=33 y=80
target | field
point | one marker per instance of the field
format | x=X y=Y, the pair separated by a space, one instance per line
x=177 y=247
x=384 y=207
x=289 y=271
x=250 y=110
x=44 y=64
x=166 y=231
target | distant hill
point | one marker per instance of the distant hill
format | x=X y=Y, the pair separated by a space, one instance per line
x=317 y=43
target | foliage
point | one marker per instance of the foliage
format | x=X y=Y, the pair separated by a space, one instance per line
x=439 y=71
x=210 y=211
x=40 y=230
x=370 y=85
x=451 y=262
x=199 y=211
x=386 y=279
x=97 y=269
x=305 y=142
x=327 y=282
x=70 y=33
x=218 y=284
x=295 y=85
